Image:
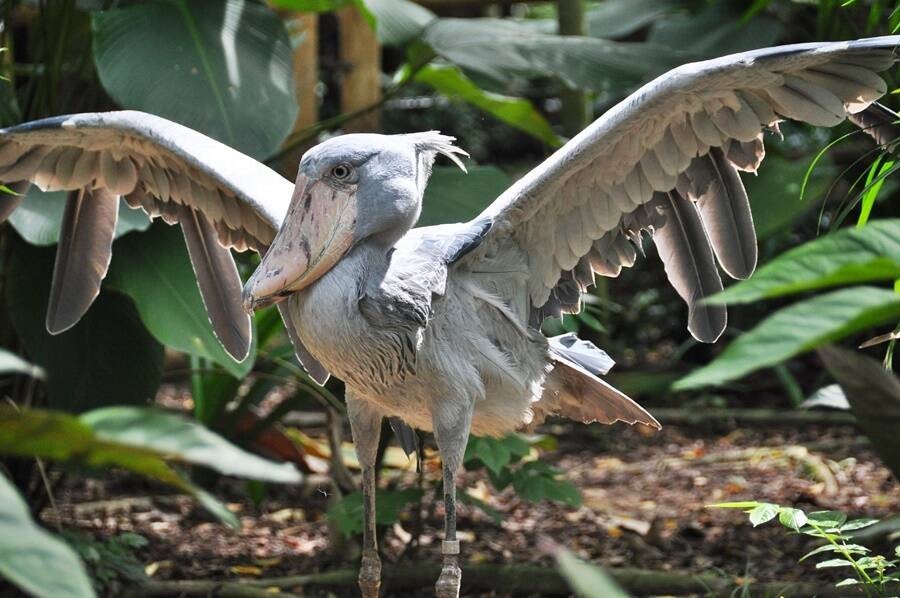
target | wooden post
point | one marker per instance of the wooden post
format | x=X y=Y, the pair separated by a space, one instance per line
x=360 y=54
x=304 y=26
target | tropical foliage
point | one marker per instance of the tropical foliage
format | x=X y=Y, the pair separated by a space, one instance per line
x=507 y=86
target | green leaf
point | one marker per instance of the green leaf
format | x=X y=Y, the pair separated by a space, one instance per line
x=517 y=112
x=858 y=524
x=184 y=441
x=791 y=518
x=33 y=559
x=796 y=329
x=618 y=18
x=226 y=65
x=10 y=363
x=585 y=579
x=398 y=22
x=715 y=31
x=108 y=357
x=763 y=513
x=827 y=519
x=848 y=256
x=850 y=581
x=62 y=437
x=347 y=513
x=454 y=196
x=874 y=396
x=774 y=191
x=874 y=182
x=536 y=481
x=833 y=563
x=505 y=51
x=516 y=445
x=38 y=219
x=154 y=269
x=851 y=548
x=491 y=451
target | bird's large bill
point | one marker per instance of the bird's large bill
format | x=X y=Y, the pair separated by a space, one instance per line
x=316 y=233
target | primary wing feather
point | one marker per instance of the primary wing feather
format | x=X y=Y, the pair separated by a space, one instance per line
x=223 y=199
x=684 y=136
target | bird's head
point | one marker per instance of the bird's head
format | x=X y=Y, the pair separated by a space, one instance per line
x=352 y=188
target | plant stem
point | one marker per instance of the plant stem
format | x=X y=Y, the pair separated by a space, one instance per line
x=842 y=550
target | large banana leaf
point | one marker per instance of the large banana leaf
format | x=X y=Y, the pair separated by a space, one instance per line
x=798 y=328
x=848 y=256
x=221 y=67
x=154 y=269
x=108 y=357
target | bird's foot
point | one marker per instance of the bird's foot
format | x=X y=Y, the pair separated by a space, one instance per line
x=447 y=585
x=370 y=575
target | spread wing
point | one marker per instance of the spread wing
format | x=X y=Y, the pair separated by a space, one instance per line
x=665 y=161
x=221 y=198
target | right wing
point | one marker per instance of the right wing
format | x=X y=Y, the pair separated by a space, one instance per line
x=222 y=199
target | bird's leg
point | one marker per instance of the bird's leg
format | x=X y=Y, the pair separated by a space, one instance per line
x=451 y=575
x=451 y=431
x=365 y=424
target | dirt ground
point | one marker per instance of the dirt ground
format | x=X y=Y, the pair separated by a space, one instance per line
x=644 y=498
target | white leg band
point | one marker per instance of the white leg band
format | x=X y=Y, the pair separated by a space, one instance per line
x=450 y=547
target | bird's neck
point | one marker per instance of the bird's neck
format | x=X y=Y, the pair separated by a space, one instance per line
x=361 y=270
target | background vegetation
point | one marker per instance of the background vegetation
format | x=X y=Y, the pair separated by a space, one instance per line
x=511 y=81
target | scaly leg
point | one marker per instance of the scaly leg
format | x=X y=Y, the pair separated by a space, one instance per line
x=451 y=431
x=365 y=424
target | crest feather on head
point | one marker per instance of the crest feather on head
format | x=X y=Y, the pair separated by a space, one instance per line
x=433 y=143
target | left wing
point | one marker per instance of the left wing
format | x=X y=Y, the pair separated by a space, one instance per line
x=222 y=199
x=665 y=161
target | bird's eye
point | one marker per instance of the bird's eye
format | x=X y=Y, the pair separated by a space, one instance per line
x=342 y=171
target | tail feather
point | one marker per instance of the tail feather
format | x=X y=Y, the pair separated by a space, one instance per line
x=572 y=391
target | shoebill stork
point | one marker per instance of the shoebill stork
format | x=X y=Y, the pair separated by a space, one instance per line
x=440 y=326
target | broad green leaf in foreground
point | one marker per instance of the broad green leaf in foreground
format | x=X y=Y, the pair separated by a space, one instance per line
x=183 y=440
x=874 y=396
x=154 y=269
x=33 y=559
x=848 y=256
x=140 y=440
x=586 y=580
x=39 y=217
x=226 y=66
x=798 y=328
x=455 y=196
x=517 y=112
